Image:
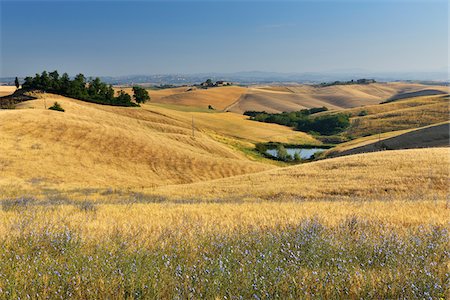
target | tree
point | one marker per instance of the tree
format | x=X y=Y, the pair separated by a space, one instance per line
x=140 y=94
x=122 y=99
x=297 y=156
x=54 y=81
x=45 y=81
x=28 y=83
x=17 y=82
x=64 y=84
x=282 y=154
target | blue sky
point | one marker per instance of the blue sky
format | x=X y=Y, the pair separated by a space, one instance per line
x=153 y=37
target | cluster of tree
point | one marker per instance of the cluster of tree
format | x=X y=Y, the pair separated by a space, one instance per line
x=292 y=115
x=163 y=86
x=358 y=81
x=80 y=88
x=303 y=121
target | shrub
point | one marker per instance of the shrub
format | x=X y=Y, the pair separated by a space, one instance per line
x=363 y=113
x=56 y=106
x=282 y=153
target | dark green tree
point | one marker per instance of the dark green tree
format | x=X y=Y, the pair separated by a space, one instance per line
x=140 y=94
x=28 y=83
x=45 y=81
x=64 y=84
x=16 y=82
x=122 y=99
x=54 y=81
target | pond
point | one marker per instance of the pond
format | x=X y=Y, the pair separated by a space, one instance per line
x=305 y=153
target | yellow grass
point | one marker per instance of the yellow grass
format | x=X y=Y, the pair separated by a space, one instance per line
x=296 y=97
x=152 y=221
x=219 y=98
x=427 y=136
x=6 y=90
x=102 y=147
x=98 y=146
x=401 y=174
x=415 y=116
x=283 y=98
x=236 y=126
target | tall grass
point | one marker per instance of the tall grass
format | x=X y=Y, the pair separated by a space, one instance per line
x=307 y=258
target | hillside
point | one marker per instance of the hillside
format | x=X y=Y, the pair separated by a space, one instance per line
x=399 y=174
x=101 y=147
x=399 y=115
x=429 y=136
x=219 y=97
x=334 y=97
x=93 y=146
x=6 y=90
x=288 y=98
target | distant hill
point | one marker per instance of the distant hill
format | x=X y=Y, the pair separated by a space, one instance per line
x=296 y=97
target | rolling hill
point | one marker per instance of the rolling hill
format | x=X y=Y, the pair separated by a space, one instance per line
x=93 y=146
x=277 y=99
x=398 y=174
x=292 y=98
x=425 y=137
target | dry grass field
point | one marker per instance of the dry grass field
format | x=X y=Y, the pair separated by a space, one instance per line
x=288 y=98
x=123 y=203
x=424 y=137
x=95 y=146
x=99 y=146
x=399 y=115
x=292 y=98
x=400 y=174
x=6 y=90
x=219 y=97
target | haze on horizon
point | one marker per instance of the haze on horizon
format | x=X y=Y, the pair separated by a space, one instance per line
x=113 y=38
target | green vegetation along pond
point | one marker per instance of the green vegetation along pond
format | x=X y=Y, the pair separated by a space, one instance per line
x=305 y=153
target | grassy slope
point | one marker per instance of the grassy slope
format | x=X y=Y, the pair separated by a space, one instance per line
x=219 y=97
x=100 y=146
x=94 y=146
x=235 y=126
x=7 y=90
x=428 y=136
x=401 y=174
x=287 y=98
x=399 y=115
x=333 y=97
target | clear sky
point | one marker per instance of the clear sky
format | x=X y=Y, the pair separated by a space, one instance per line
x=153 y=37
